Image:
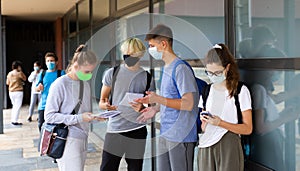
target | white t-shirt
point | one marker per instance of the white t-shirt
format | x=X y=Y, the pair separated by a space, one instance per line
x=226 y=110
x=261 y=100
x=33 y=78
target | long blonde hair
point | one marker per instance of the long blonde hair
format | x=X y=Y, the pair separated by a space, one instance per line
x=83 y=57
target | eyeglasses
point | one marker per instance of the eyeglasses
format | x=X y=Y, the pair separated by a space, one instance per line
x=216 y=73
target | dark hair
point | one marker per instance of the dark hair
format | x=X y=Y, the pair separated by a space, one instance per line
x=16 y=64
x=38 y=63
x=160 y=31
x=51 y=54
x=222 y=56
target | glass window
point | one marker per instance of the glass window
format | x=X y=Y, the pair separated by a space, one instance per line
x=206 y=15
x=265 y=30
x=100 y=10
x=275 y=112
x=84 y=36
x=83 y=14
x=72 y=46
x=72 y=18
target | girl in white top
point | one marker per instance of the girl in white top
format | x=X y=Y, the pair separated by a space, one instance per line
x=35 y=95
x=219 y=145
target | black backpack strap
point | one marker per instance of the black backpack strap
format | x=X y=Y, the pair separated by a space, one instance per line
x=58 y=73
x=237 y=103
x=77 y=107
x=205 y=92
x=149 y=78
x=114 y=77
x=43 y=75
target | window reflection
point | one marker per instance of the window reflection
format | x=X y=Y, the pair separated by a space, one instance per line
x=280 y=20
x=83 y=14
x=275 y=104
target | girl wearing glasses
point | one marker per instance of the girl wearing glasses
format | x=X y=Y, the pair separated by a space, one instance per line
x=219 y=145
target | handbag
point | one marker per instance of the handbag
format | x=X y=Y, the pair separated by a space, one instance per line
x=54 y=136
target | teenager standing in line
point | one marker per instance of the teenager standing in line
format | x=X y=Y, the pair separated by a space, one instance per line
x=46 y=78
x=62 y=99
x=14 y=80
x=220 y=144
x=177 y=105
x=125 y=136
x=35 y=95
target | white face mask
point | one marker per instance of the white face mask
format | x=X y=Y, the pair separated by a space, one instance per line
x=154 y=53
x=217 y=79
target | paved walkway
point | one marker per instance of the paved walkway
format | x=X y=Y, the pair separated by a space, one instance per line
x=18 y=147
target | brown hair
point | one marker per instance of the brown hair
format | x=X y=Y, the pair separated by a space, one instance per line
x=222 y=56
x=83 y=57
x=160 y=32
x=51 y=54
x=16 y=64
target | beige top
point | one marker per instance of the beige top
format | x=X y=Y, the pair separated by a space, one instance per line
x=14 y=81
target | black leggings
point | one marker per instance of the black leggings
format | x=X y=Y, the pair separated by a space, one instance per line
x=131 y=144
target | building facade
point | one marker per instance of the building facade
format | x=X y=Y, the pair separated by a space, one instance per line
x=197 y=25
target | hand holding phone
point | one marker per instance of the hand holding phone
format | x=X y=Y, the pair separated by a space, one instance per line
x=206 y=113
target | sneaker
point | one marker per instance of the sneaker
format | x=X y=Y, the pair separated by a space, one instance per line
x=29 y=119
x=16 y=123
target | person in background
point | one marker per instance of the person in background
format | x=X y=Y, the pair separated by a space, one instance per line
x=35 y=95
x=15 y=81
x=269 y=133
x=263 y=43
x=177 y=105
x=125 y=136
x=45 y=79
x=62 y=98
x=220 y=144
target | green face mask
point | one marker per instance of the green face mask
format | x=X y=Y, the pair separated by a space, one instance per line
x=84 y=77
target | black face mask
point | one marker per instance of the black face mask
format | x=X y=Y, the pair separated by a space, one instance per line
x=130 y=61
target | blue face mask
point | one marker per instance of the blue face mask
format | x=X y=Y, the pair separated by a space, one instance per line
x=36 y=68
x=50 y=65
x=154 y=53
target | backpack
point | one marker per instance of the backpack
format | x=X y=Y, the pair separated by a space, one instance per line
x=245 y=139
x=200 y=84
x=115 y=73
x=44 y=72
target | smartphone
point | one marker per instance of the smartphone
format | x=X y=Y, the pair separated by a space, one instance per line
x=206 y=113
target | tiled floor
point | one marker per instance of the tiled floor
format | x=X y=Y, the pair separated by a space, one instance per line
x=18 y=147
